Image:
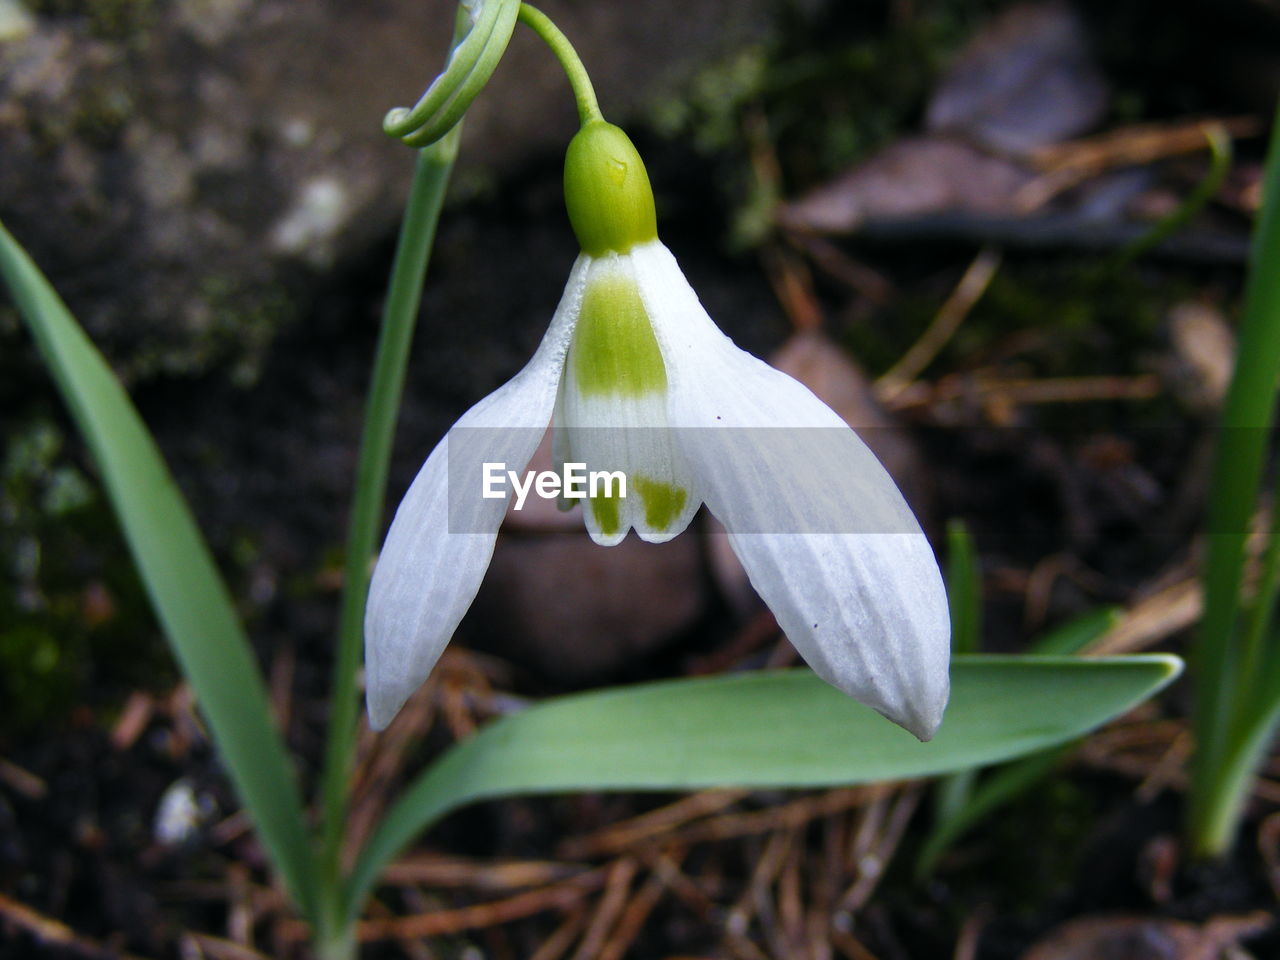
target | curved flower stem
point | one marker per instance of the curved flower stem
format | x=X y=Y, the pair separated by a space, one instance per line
x=583 y=92
x=1220 y=157
x=417 y=235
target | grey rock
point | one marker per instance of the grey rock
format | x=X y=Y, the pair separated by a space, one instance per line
x=578 y=613
x=186 y=174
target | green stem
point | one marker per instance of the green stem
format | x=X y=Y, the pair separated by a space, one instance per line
x=1246 y=420
x=583 y=92
x=1221 y=808
x=417 y=234
x=1219 y=166
x=343 y=947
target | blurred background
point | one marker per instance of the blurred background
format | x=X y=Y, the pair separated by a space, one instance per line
x=1003 y=239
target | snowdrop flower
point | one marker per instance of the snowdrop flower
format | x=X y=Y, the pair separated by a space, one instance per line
x=636 y=377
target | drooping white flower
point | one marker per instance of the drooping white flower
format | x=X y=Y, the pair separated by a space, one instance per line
x=635 y=377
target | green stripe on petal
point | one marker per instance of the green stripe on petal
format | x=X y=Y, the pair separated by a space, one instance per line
x=663 y=502
x=614 y=350
x=608 y=515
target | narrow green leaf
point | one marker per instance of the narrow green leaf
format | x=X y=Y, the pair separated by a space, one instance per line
x=1220 y=152
x=952 y=793
x=1237 y=770
x=765 y=729
x=962 y=801
x=1227 y=662
x=991 y=793
x=964 y=589
x=1075 y=635
x=188 y=596
x=964 y=600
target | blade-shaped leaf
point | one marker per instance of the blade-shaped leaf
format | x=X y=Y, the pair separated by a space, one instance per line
x=959 y=804
x=964 y=600
x=995 y=790
x=188 y=595
x=964 y=589
x=1075 y=635
x=776 y=728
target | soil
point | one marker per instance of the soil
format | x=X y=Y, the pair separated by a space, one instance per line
x=1073 y=506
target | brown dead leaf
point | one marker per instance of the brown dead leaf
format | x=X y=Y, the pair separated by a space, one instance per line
x=21 y=781
x=1206 y=345
x=911 y=179
x=1147 y=938
x=1027 y=79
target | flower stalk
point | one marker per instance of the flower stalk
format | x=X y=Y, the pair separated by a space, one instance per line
x=417 y=235
x=583 y=92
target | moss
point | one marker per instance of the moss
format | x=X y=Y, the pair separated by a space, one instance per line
x=231 y=326
x=246 y=323
x=1061 y=317
x=708 y=108
x=106 y=19
x=1058 y=812
x=101 y=113
x=75 y=627
x=821 y=94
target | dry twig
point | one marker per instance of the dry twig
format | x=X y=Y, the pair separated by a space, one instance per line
x=617 y=886
x=620 y=836
x=968 y=292
x=556 y=896
x=21 y=781
x=52 y=932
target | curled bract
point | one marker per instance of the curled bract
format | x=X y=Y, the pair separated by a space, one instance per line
x=484 y=29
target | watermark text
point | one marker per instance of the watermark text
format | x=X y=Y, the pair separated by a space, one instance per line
x=574 y=482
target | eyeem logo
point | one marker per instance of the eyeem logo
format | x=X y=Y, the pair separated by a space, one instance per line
x=574 y=483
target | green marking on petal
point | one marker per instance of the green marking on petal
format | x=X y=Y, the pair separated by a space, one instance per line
x=614 y=350
x=607 y=514
x=662 y=501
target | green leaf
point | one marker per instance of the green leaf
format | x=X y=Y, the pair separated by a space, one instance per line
x=995 y=790
x=189 y=598
x=764 y=729
x=1074 y=635
x=1232 y=672
x=962 y=801
x=964 y=600
x=964 y=589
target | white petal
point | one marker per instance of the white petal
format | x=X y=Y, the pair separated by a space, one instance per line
x=623 y=430
x=442 y=537
x=824 y=534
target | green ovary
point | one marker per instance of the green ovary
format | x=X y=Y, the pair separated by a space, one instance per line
x=606 y=190
x=662 y=501
x=614 y=350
